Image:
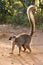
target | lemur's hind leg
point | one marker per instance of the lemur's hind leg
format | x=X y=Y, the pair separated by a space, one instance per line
x=24 y=47
x=28 y=47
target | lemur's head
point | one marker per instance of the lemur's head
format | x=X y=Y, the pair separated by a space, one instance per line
x=12 y=37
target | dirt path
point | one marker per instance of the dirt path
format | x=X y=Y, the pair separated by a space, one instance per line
x=35 y=58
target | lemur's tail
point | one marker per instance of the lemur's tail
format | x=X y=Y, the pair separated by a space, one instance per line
x=12 y=37
x=31 y=18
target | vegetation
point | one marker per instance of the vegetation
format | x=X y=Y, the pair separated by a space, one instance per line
x=14 y=12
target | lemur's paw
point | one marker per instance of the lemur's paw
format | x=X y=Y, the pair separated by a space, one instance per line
x=18 y=54
x=11 y=53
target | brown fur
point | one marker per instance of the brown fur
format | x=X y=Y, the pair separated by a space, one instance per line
x=25 y=39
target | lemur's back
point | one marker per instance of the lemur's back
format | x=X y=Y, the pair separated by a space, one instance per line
x=23 y=39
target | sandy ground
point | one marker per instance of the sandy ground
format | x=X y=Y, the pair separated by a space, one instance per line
x=26 y=58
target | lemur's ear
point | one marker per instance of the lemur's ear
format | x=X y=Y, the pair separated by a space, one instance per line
x=13 y=36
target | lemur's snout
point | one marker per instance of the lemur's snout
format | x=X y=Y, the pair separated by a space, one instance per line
x=10 y=38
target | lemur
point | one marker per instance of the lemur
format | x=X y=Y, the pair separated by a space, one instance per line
x=23 y=40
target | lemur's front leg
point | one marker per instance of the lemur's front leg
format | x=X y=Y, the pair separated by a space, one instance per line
x=13 y=45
